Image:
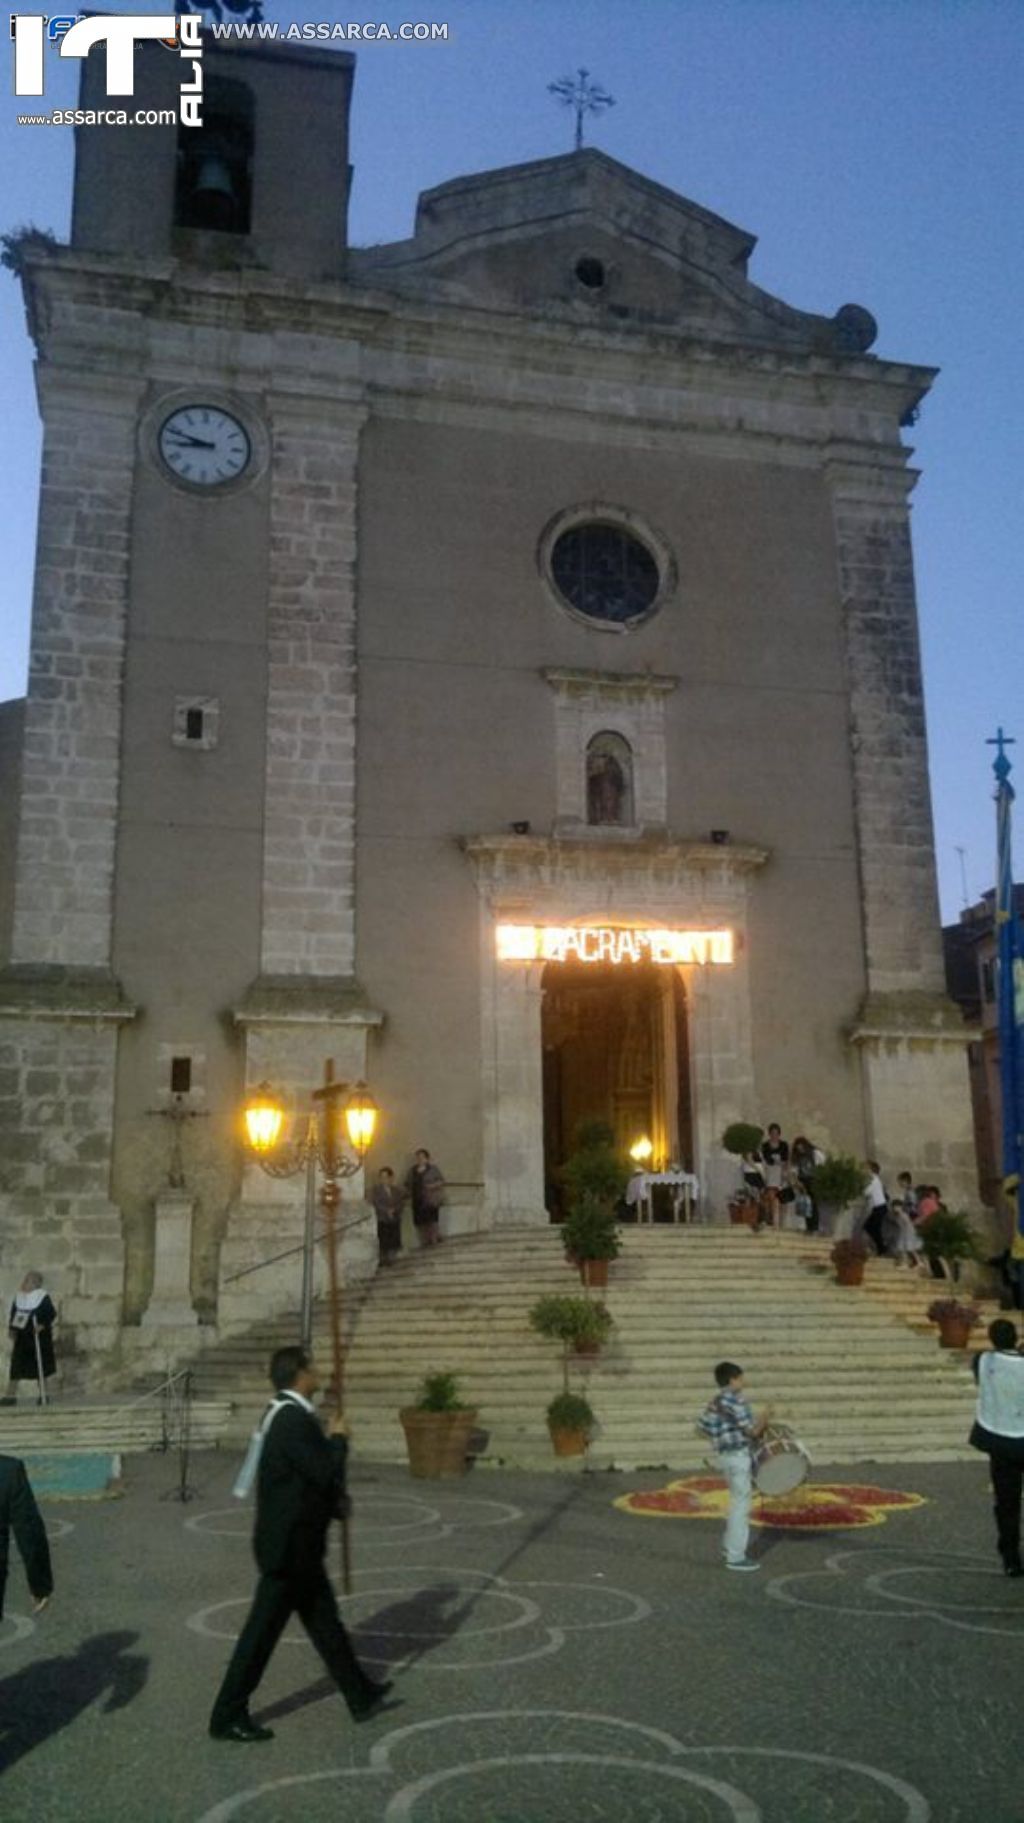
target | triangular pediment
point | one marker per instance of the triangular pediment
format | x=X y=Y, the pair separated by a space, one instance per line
x=585 y=238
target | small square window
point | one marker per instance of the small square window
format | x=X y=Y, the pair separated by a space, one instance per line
x=181 y=1075
x=196 y=722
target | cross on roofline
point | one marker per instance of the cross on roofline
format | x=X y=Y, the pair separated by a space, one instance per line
x=583 y=96
x=1001 y=765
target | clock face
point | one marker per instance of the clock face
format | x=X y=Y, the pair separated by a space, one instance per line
x=204 y=445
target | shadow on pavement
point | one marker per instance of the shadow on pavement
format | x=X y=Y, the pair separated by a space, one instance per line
x=40 y=1700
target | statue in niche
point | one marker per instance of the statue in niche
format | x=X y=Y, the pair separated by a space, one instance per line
x=609 y=781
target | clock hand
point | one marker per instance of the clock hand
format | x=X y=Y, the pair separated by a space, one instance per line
x=192 y=442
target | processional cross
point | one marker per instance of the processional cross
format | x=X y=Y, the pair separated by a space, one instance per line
x=583 y=96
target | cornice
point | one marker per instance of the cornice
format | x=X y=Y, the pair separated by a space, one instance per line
x=305 y=1000
x=61 y=992
x=533 y=856
x=628 y=684
x=460 y=351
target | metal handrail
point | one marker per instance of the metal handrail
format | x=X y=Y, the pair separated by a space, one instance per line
x=183 y=1373
x=299 y=1247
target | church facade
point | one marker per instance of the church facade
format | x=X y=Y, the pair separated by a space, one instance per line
x=488 y=660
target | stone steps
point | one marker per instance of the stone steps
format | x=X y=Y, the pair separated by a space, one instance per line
x=858 y=1372
x=122 y=1428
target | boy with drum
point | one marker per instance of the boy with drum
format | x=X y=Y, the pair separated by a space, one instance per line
x=729 y=1424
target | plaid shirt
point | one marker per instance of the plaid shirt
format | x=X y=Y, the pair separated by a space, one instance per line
x=728 y=1421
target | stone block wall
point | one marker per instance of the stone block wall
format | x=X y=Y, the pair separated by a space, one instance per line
x=56 y=1120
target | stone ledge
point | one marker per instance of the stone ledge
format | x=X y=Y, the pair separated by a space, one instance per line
x=541 y=851
x=911 y=1016
x=53 y=990
x=305 y=1000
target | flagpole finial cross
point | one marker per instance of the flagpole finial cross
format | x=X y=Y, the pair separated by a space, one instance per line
x=1001 y=765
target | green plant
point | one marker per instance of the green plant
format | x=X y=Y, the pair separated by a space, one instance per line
x=570 y=1412
x=845 y=1251
x=440 y=1393
x=838 y=1180
x=595 y=1169
x=590 y=1231
x=594 y=1136
x=741 y=1137
x=951 y=1310
x=570 y=1320
x=948 y=1235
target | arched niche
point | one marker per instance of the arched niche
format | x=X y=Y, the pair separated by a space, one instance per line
x=609 y=778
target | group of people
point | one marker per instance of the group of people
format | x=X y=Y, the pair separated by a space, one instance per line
x=895 y=1224
x=424 y=1188
x=779 y=1176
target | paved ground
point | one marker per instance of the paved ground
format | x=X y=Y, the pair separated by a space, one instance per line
x=556 y=1659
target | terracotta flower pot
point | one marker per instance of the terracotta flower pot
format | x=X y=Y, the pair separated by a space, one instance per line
x=850 y=1272
x=437 y=1442
x=568 y=1443
x=743 y=1215
x=953 y=1333
x=594 y=1273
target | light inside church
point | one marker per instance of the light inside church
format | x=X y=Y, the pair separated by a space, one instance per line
x=641 y=1150
x=264 y=1118
x=611 y=943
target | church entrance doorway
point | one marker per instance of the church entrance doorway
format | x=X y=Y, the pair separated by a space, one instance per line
x=615 y=1048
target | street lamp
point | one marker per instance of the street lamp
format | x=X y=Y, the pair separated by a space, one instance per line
x=337 y=1106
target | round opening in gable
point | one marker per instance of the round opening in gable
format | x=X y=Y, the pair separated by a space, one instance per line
x=605 y=572
x=590 y=273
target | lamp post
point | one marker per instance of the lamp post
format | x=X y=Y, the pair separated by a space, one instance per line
x=343 y=1112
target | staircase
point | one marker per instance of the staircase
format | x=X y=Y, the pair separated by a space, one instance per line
x=120 y=1427
x=859 y=1373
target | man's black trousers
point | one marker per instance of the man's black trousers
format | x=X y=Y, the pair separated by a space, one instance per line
x=1007 y=1477
x=276 y=1599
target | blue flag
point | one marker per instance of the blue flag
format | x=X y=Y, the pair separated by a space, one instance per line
x=1010 y=973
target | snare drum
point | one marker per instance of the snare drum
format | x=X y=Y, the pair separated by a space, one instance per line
x=780 y=1461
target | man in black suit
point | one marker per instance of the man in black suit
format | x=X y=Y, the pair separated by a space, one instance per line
x=19 y=1513
x=300 y=1486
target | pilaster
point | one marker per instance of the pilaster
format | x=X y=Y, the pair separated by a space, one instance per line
x=71 y=756
x=309 y=843
x=892 y=800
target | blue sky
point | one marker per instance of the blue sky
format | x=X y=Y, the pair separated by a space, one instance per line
x=874 y=148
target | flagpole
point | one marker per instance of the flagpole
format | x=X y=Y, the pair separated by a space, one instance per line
x=1010 y=993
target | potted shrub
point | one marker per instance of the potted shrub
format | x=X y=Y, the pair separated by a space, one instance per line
x=838 y=1181
x=594 y=1170
x=955 y=1321
x=947 y=1236
x=570 y=1421
x=741 y=1136
x=848 y=1258
x=438 y=1429
x=591 y=1235
x=580 y=1324
x=744 y=1208
x=742 y=1139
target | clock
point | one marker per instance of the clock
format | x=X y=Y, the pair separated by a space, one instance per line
x=204 y=445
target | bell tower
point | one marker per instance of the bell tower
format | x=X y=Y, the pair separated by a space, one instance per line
x=263 y=182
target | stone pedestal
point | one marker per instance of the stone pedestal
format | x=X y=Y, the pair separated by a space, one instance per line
x=171 y=1302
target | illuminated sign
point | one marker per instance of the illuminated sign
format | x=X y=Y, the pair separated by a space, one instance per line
x=610 y=943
